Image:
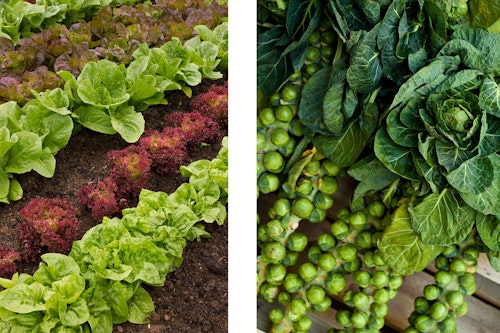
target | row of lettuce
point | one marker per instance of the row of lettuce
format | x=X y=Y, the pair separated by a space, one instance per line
x=113 y=33
x=100 y=282
x=19 y=18
x=107 y=98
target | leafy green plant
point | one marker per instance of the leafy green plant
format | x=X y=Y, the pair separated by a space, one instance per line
x=402 y=97
x=100 y=282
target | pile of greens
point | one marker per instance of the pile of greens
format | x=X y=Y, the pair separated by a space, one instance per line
x=403 y=97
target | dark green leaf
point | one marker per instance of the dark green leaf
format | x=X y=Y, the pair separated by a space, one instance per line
x=333 y=101
x=273 y=68
x=396 y=158
x=450 y=156
x=487 y=202
x=489 y=141
x=343 y=149
x=489 y=96
x=398 y=132
x=442 y=218
x=311 y=103
x=365 y=70
x=371 y=175
x=488 y=227
x=473 y=176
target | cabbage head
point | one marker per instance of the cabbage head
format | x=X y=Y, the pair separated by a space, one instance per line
x=442 y=132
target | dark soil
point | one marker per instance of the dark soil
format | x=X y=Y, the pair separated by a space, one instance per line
x=195 y=296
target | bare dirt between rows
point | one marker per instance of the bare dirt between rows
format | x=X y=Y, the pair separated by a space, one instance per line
x=194 y=297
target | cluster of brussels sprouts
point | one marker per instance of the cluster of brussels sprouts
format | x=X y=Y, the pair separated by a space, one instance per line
x=349 y=249
x=443 y=301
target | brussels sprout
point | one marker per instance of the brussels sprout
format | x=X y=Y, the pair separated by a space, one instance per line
x=361 y=278
x=410 y=330
x=421 y=305
x=312 y=168
x=275 y=229
x=471 y=253
x=291 y=259
x=314 y=37
x=358 y=220
x=376 y=208
x=268 y=292
x=451 y=251
x=424 y=323
x=317 y=215
x=330 y=168
x=458 y=266
x=293 y=283
x=302 y=207
x=274 y=251
x=327 y=262
x=431 y=292
x=449 y=325
x=326 y=242
x=284 y=113
x=354 y=265
x=323 y=201
x=297 y=242
x=262 y=233
x=266 y=116
x=289 y=148
x=275 y=274
x=442 y=262
x=378 y=260
x=335 y=283
x=343 y=317
x=296 y=127
x=315 y=294
x=308 y=271
x=368 y=259
x=454 y=298
x=344 y=214
x=275 y=99
x=379 y=310
x=467 y=284
x=289 y=93
x=298 y=307
x=379 y=279
x=276 y=315
x=462 y=309
x=279 y=137
x=324 y=305
x=304 y=186
x=347 y=252
x=443 y=278
x=314 y=254
x=359 y=319
x=284 y=298
x=438 y=311
x=340 y=229
x=375 y=323
x=312 y=68
x=268 y=182
x=395 y=281
x=328 y=185
x=273 y=161
x=282 y=207
x=381 y=296
x=313 y=54
x=328 y=38
x=361 y=301
x=261 y=141
x=364 y=240
x=303 y=324
x=327 y=53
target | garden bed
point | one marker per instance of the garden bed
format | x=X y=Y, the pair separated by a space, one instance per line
x=194 y=296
